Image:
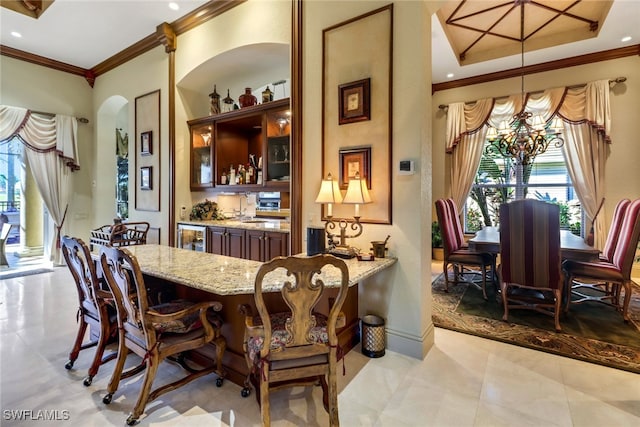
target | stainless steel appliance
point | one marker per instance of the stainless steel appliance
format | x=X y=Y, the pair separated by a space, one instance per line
x=269 y=201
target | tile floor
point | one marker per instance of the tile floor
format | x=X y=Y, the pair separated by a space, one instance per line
x=463 y=381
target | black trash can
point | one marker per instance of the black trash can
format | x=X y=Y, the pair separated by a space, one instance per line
x=373 y=336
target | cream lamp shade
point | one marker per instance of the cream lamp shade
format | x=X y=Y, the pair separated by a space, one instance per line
x=357 y=193
x=329 y=193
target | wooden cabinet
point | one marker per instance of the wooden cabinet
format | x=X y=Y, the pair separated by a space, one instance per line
x=227 y=140
x=265 y=245
x=226 y=241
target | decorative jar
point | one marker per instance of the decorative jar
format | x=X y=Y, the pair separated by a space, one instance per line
x=247 y=99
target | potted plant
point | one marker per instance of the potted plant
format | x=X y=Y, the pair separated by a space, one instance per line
x=437 y=250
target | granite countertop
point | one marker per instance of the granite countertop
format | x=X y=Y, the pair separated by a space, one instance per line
x=250 y=224
x=224 y=275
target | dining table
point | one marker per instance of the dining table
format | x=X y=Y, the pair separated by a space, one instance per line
x=571 y=246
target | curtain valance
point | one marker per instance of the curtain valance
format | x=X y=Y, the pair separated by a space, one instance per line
x=587 y=104
x=41 y=133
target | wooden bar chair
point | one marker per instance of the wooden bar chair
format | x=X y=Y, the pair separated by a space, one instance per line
x=458 y=256
x=94 y=307
x=529 y=271
x=301 y=344
x=617 y=271
x=158 y=332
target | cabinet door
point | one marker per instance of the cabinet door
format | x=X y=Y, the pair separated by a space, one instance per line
x=235 y=242
x=202 y=171
x=278 y=148
x=275 y=244
x=255 y=245
x=216 y=239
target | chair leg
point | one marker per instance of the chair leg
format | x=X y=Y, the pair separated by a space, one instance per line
x=152 y=367
x=77 y=345
x=505 y=303
x=484 y=282
x=97 y=357
x=558 y=301
x=334 y=420
x=221 y=346
x=117 y=370
x=445 y=266
x=264 y=398
x=627 y=300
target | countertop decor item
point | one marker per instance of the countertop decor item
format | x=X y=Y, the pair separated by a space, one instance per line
x=206 y=210
x=247 y=99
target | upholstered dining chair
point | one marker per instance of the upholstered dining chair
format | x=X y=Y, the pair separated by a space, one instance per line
x=617 y=271
x=529 y=271
x=158 y=332
x=455 y=254
x=602 y=291
x=297 y=345
x=94 y=308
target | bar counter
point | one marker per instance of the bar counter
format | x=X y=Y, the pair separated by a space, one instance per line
x=198 y=276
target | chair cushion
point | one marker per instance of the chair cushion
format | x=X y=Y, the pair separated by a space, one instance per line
x=466 y=256
x=179 y=326
x=280 y=335
x=596 y=270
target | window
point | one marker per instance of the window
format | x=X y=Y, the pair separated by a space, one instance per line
x=10 y=169
x=500 y=179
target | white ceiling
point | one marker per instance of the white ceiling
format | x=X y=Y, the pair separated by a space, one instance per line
x=86 y=32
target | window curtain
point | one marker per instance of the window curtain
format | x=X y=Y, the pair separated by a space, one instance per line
x=52 y=153
x=587 y=119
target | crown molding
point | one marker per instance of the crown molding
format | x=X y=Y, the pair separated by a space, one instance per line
x=605 y=55
x=41 y=60
x=198 y=16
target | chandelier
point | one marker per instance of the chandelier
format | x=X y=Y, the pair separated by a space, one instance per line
x=527 y=135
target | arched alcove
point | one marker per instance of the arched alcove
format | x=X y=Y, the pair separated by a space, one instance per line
x=112 y=114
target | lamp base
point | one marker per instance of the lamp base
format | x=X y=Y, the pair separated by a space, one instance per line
x=343 y=252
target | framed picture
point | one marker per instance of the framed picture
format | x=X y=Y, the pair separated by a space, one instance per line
x=355 y=101
x=146 y=178
x=352 y=161
x=146 y=143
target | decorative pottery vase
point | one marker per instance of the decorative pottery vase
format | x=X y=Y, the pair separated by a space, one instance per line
x=247 y=99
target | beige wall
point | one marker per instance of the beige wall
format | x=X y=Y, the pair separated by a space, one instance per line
x=26 y=85
x=622 y=175
x=402 y=295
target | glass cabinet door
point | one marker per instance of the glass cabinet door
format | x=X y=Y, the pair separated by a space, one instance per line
x=278 y=165
x=202 y=171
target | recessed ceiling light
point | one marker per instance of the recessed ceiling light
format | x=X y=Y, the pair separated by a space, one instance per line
x=173 y=6
x=16 y=34
x=450 y=75
x=625 y=39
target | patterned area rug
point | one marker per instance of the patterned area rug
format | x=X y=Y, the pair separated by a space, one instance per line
x=591 y=332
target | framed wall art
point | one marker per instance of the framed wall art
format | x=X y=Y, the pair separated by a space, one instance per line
x=146 y=143
x=147 y=152
x=146 y=178
x=352 y=161
x=354 y=101
x=357 y=75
